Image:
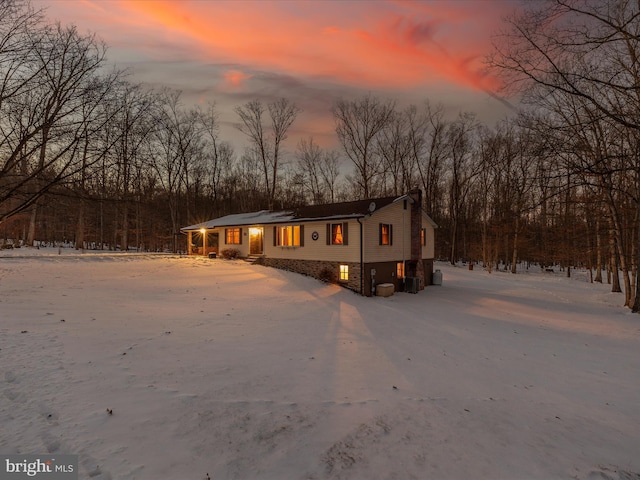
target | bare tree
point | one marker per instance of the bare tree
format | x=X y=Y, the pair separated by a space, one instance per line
x=173 y=148
x=267 y=140
x=330 y=172
x=395 y=148
x=98 y=146
x=19 y=22
x=358 y=125
x=218 y=155
x=583 y=48
x=463 y=167
x=49 y=104
x=309 y=155
x=429 y=151
x=578 y=59
x=319 y=170
x=132 y=126
x=489 y=153
x=242 y=185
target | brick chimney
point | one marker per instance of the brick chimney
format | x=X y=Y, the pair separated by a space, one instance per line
x=415 y=266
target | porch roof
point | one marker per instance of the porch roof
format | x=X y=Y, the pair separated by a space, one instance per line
x=242 y=219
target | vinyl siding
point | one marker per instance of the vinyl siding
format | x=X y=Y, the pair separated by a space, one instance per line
x=243 y=247
x=400 y=219
x=316 y=249
x=392 y=215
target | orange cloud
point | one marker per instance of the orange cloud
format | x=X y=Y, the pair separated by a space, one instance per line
x=374 y=44
x=93 y=5
x=330 y=30
x=235 y=78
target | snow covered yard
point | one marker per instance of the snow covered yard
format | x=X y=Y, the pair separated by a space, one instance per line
x=244 y=372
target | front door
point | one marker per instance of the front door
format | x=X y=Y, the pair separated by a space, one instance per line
x=256 y=235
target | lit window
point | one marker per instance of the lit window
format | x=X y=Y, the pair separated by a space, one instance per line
x=400 y=270
x=423 y=236
x=336 y=234
x=289 y=236
x=344 y=273
x=386 y=236
x=232 y=236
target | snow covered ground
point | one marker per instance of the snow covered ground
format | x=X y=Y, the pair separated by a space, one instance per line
x=238 y=371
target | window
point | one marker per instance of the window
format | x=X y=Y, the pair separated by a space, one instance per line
x=337 y=234
x=423 y=237
x=289 y=236
x=233 y=236
x=400 y=270
x=344 y=273
x=386 y=234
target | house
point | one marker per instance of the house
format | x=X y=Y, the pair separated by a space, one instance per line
x=358 y=244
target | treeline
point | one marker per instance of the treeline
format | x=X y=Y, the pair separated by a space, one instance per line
x=88 y=156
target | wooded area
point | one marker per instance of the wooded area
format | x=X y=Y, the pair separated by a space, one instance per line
x=90 y=157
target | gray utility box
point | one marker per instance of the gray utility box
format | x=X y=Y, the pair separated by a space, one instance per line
x=411 y=284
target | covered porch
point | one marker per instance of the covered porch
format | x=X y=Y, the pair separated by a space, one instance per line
x=209 y=242
x=203 y=242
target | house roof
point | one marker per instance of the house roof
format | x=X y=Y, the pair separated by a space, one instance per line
x=357 y=209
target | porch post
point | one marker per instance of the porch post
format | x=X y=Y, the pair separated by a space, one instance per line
x=189 y=251
x=204 y=241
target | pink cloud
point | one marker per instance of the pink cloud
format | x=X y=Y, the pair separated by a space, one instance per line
x=331 y=30
x=235 y=78
x=386 y=45
x=383 y=44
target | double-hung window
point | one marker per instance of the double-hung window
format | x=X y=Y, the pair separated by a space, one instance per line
x=386 y=234
x=233 y=236
x=289 y=236
x=337 y=233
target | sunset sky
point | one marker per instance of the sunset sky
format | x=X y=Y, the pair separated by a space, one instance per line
x=311 y=52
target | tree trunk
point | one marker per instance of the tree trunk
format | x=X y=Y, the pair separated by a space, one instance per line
x=80 y=226
x=620 y=253
x=31 y=234
x=485 y=253
x=636 y=303
x=454 y=234
x=34 y=212
x=635 y=308
x=598 y=252
x=101 y=232
x=613 y=264
x=124 y=238
x=514 y=258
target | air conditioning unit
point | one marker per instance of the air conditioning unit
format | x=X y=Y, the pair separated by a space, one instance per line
x=411 y=284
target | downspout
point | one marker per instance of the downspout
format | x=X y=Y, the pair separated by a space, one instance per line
x=404 y=212
x=361 y=259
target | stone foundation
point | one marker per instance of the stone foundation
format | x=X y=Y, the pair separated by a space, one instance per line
x=322 y=270
x=330 y=272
